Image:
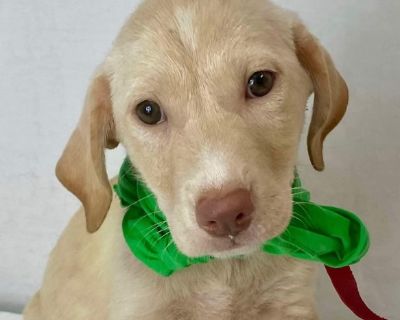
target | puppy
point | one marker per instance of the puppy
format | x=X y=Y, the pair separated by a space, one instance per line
x=208 y=98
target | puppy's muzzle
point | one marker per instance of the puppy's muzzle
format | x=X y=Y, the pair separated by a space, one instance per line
x=226 y=215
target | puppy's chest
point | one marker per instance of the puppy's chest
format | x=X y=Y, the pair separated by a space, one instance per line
x=221 y=300
x=236 y=290
x=240 y=292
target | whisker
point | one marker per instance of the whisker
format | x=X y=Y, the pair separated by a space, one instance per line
x=157 y=225
x=167 y=246
x=137 y=201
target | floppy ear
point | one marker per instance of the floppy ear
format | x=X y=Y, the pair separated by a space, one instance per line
x=330 y=92
x=81 y=168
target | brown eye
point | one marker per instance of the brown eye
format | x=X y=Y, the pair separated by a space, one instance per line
x=260 y=84
x=150 y=112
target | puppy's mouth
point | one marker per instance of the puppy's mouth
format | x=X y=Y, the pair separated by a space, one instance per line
x=233 y=246
x=242 y=244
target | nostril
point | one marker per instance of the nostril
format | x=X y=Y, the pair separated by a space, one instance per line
x=241 y=218
x=211 y=226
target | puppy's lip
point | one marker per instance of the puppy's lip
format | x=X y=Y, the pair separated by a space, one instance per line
x=226 y=247
x=243 y=244
x=234 y=250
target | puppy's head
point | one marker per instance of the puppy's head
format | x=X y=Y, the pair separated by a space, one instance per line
x=208 y=98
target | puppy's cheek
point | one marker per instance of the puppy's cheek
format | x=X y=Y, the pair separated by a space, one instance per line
x=283 y=219
x=277 y=217
x=187 y=244
x=183 y=236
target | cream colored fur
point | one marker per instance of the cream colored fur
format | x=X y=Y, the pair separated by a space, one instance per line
x=194 y=58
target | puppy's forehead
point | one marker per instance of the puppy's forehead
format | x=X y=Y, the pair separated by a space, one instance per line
x=198 y=23
x=181 y=40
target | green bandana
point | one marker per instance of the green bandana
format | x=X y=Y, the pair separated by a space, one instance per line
x=329 y=235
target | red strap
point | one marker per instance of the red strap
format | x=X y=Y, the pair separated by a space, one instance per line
x=346 y=286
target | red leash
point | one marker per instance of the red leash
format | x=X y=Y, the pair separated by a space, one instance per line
x=346 y=286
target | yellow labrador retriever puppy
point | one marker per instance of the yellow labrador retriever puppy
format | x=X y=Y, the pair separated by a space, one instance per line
x=208 y=98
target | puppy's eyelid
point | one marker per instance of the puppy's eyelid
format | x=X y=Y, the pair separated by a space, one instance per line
x=269 y=66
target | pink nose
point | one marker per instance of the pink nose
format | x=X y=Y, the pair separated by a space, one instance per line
x=226 y=215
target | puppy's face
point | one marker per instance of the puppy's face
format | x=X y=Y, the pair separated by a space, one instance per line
x=208 y=97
